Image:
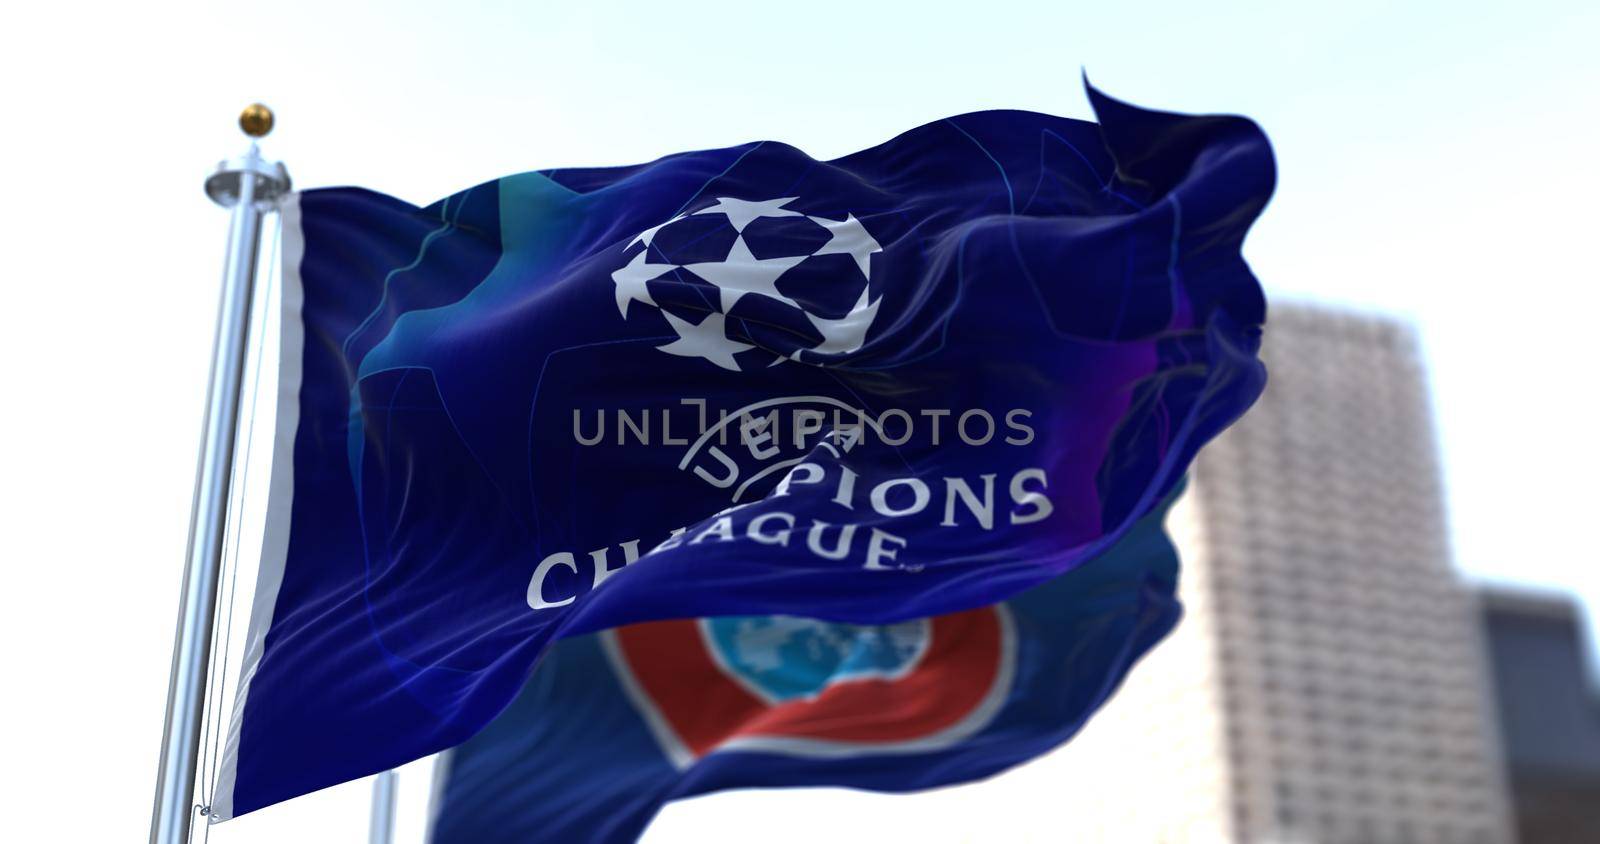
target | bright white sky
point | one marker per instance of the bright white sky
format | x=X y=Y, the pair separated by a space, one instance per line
x=1437 y=162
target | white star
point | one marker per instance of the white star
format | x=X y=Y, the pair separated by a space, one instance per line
x=707 y=340
x=649 y=234
x=847 y=333
x=630 y=280
x=741 y=212
x=849 y=238
x=743 y=273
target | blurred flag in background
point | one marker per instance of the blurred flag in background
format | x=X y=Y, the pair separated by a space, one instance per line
x=615 y=724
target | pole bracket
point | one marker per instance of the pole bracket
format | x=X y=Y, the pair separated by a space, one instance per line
x=270 y=177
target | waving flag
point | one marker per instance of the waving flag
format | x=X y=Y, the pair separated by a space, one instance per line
x=909 y=382
x=614 y=725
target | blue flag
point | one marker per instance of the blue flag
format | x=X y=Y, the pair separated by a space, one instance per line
x=909 y=382
x=614 y=725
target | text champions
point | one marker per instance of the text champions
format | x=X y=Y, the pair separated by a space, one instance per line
x=962 y=502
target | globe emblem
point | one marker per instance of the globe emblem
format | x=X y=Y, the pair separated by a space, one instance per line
x=748 y=284
x=780 y=658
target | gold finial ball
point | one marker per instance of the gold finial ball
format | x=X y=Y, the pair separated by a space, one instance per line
x=256 y=120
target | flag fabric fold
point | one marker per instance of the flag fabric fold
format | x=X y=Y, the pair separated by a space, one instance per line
x=910 y=382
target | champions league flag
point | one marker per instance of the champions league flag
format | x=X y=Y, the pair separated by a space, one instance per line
x=615 y=724
x=911 y=382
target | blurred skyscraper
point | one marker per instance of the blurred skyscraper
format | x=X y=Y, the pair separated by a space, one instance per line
x=1549 y=715
x=1328 y=682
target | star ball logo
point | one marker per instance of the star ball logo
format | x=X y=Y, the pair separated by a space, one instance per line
x=796 y=286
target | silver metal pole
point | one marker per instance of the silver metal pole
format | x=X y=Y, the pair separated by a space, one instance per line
x=384 y=789
x=251 y=187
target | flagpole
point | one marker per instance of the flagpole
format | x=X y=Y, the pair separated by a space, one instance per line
x=251 y=187
x=384 y=789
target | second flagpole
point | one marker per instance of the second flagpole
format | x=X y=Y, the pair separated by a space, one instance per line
x=384 y=791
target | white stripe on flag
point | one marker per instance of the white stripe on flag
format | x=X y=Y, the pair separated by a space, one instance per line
x=280 y=495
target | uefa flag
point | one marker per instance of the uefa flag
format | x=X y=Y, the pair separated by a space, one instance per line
x=913 y=381
x=615 y=724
